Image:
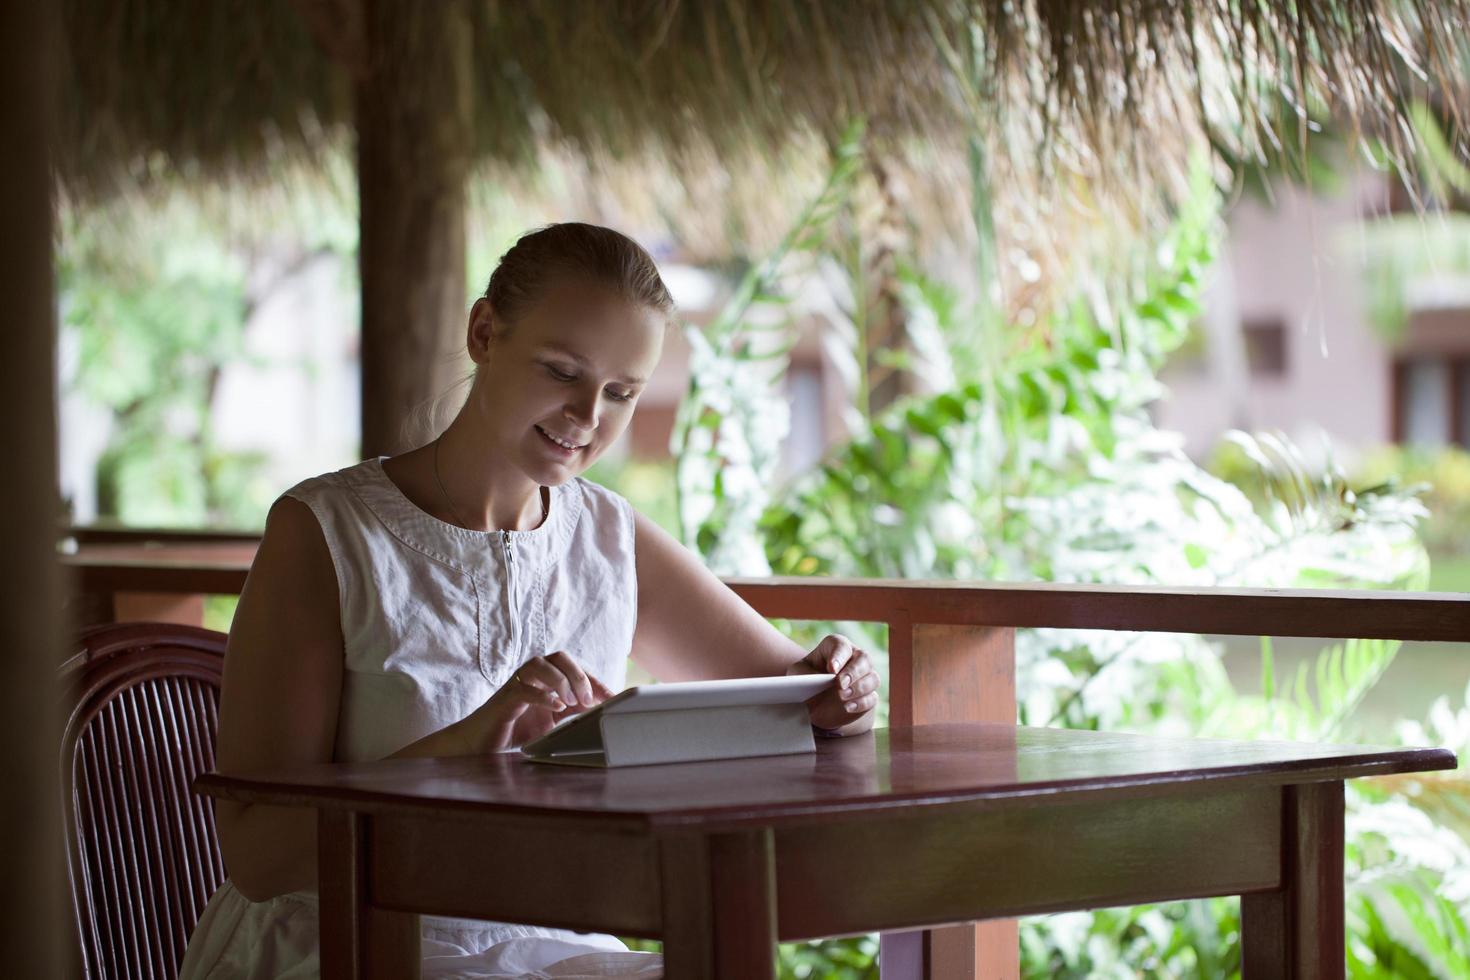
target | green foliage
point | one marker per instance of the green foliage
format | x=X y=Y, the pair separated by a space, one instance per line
x=906 y=497
x=1442 y=476
x=730 y=425
x=1040 y=462
x=1442 y=168
x=1154 y=941
x=155 y=303
x=151 y=355
x=1409 y=859
x=1436 y=939
x=830 y=959
x=1316 y=703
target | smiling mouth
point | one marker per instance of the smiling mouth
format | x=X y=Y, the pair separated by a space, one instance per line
x=569 y=446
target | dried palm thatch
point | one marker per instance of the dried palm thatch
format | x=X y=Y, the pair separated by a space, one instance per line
x=170 y=87
x=1052 y=94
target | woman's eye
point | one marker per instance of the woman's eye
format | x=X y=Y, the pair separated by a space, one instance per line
x=559 y=374
x=620 y=396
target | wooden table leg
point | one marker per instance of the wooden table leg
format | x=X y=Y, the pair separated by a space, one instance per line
x=357 y=940
x=719 y=906
x=1297 y=930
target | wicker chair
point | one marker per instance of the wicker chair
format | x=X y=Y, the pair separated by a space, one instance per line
x=141 y=710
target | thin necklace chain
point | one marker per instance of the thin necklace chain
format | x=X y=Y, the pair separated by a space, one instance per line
x=452 y=510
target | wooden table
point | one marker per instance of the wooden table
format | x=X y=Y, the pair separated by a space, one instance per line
x=899 y=829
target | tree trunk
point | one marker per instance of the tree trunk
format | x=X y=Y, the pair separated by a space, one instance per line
x=30 y=597
x=413 y=148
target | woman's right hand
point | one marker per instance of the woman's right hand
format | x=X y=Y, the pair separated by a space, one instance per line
x=541 y=692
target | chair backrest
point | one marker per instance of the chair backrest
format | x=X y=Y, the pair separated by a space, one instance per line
x=141 y=709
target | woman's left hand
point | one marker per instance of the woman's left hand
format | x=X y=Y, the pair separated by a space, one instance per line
x=848 y=704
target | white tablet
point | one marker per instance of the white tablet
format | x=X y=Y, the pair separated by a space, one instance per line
x=581 y=734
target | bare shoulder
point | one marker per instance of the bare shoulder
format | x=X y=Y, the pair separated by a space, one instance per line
x=290 y=599
x=293 y=548
x=292 y=526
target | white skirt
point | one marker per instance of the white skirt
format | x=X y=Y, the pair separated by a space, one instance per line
x=237 y=939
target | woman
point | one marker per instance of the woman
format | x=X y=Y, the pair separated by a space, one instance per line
x=463 y=597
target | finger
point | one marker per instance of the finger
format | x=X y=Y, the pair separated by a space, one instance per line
x=537 y=683
x=820 y=654
x=550 y=676
x=855 y=667
x=865 y=703
x=575 y=675
x=864 y=685
x=536 y=696
x=600 y=689
x=839 y=652
x=860 y=667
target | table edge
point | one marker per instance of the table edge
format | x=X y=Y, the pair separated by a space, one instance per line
x=244 y=789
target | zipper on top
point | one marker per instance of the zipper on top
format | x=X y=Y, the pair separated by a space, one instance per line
x=511 y=595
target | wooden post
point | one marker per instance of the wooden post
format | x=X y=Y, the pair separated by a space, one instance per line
x=719 y=906
x=944 y=674
x=1297 y=931
x=743 y=876
x=358 y=941
x=688 y=927
x=414 y=130
x=30 y=597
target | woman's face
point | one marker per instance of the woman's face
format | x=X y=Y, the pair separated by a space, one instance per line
x=557 y=387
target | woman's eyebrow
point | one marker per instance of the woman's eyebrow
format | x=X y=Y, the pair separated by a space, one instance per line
x=581 y=359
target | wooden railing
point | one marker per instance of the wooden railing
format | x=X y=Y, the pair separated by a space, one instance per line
x=87 y=534
x=138 y=579
x=951 y=649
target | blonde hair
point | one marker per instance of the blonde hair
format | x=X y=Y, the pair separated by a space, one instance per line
x=574 y=250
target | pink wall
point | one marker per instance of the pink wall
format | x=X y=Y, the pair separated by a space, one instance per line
x=1295 y=262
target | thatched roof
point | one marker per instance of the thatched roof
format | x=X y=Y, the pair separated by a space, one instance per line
x=167 y=87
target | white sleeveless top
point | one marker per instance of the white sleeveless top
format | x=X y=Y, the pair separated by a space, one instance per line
x=435 y=618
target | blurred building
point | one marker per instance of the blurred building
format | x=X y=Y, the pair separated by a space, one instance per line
x=1293 y=338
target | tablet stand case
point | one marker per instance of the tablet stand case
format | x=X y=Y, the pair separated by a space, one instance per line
x=626 y=736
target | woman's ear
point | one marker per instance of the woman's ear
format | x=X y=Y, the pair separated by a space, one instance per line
x=482 y=331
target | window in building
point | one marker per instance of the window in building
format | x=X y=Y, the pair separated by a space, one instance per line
x=1265 y=346
x=1427 y=404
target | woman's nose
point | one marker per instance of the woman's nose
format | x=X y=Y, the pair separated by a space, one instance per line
x=583 y=411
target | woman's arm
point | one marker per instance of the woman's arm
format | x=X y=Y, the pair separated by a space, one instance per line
x=278 y=704
x=691 y=626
